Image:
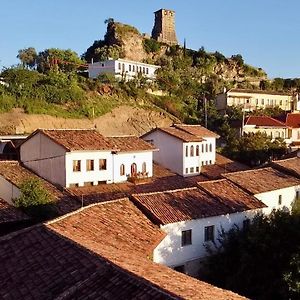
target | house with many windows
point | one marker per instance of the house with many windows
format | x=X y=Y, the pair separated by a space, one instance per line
x=250 y=100
x=183 y=149
x=72 y=158
x=192 y=219
x=122 y=69
x=276 y=189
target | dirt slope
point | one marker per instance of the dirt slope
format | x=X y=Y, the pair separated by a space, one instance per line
x=122 y=120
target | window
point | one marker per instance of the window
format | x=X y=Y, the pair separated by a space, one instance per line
x=197 y=169
x=186 y=171
x=144 y=70
x=298 y=195
x=210 y=162
x=202 y=163
x=192 y=151
x=129 y=68
x=88 y=183
x=76 y=165
x=90 y=165
x=102 y=164
x=280 y=102
x=192 y=170
x=123 y=67
x=197 y=150
x=202 y=148
x=186 y=151
x=102 y=65
x=144 y=167
x=210 y=147
x=122 y=170
x=256 y=101
x=186 y=237
x=246 y=224
x=133 y=68
x=279 y=199
x=209 y=233
x=147 y=71
x=206 y=148
x=262 y=101
x=119 y=66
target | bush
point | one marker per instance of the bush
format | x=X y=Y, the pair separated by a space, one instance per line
x=151 y=45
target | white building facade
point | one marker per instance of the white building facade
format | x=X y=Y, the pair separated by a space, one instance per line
x=181 y=151
x=122 y=69
x=96 y=162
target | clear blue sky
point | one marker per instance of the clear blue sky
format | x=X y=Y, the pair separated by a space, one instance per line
x=265 y=32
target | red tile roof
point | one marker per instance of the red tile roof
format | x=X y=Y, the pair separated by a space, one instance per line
x=10 y=214
x=130 y=144
x=196 y=130
x=264 y=121
x=81 y=139
x=290 y=165
x=180 y=134
x=231 y=195
x=193 y=203
x=16 y=174
x=262 y=180
x=97 y=252
x=293 y=120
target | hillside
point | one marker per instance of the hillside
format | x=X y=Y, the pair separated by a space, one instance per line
x=121 y=120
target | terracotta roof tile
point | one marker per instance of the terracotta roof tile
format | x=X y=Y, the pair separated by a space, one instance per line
x=264 y=121
x=180 y=134
x=196 y=130
x=16 y=174
x=231 y=195
x=293 y=120
x=222 y=165
x=9 y=213
x=93 y=254
x=193 y=203
x=291 y=166
x=262 y=180
x=130 y=143
x=73 y=140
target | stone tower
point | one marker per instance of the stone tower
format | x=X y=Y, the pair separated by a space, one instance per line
x=164 y=27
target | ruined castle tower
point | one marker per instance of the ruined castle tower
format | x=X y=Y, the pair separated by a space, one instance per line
x=164 y=27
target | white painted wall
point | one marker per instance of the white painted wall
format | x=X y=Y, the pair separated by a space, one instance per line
x=170 y=252
x=103 y=67
x=128 y=158
x=170 y=154
x=88 y=176
x=8 y=191
x=44 y=157
x=271 y=198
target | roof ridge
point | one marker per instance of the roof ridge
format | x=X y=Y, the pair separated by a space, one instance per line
x=82 y=209
x=167 y=191
x=247 y=171
x=212 y=181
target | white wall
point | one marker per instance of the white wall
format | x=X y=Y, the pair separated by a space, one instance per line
x=88 y=176
x=128 y=159
x=271 y=198
x=45 y=157
x=170 y=252
x=105 y=67
x=170 y=154
x=8 y=191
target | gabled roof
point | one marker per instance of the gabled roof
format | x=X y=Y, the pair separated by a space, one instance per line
x=262 y=180
x=186 y=133
x=264 y=121
x=130 y=144
x=291 y=166
x=10 y=214
x=293 y=120
x=77 y=139
x=231 y=195
x=99 y=252
x=193 y=203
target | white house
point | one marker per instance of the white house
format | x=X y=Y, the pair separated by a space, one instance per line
x=122 y=69
x=72 y=158
x=192 y=218
x=274 y=188
x=251 y=100
x=183 y=148
x=292 y=120
x=271 y=127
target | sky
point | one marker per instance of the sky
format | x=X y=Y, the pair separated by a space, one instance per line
x=264 y=32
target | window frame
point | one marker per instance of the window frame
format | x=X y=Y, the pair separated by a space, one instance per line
x=90 y=165
x=100 y=164
x=77 y=169
x=122 y=170
x=209 y=233
x=186 y=237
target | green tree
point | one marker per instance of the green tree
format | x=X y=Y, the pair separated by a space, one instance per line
x=238 y=58
x=28 y=57
x=261 y=262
